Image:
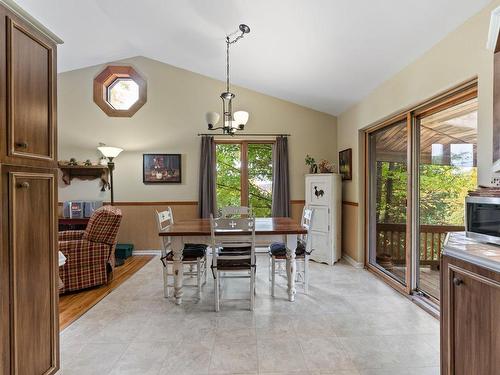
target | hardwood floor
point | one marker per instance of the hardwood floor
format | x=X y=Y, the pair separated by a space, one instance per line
x=73 y=305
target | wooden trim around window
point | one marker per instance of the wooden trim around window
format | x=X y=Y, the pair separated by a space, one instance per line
x=109 y=75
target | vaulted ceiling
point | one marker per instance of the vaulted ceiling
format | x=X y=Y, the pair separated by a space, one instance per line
x=322 y=54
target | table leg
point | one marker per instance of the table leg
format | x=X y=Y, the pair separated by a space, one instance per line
x=291 y=265
x=177 y=247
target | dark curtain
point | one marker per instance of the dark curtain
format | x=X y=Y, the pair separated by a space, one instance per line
x=281 y=183
x=207 y=198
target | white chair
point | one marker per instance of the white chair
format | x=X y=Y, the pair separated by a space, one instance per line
x=277 y=255
x=233 y=249
x=193 y=255
x=235 y=211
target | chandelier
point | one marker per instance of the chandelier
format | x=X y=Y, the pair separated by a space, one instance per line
x=231 y=122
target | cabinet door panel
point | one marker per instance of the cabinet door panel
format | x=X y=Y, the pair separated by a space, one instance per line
x=474 y=323
x=318 y=191
x=321 y=218
x=33 y=270
x=30 y=95
x=320 y=244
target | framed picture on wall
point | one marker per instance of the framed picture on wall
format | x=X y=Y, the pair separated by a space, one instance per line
x=161 y=169
x=345 y=164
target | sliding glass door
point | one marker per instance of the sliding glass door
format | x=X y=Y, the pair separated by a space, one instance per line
x=420 y=168
x=388 y=197
x=447 y=141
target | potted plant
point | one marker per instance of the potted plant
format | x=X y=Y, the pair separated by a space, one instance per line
x=313 y=168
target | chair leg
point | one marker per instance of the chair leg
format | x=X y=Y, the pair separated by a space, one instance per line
x=198 y=276
x=255 y=281
x=273 y=274
x=270 y=267
x=306 y=275
x=206 y=269
x=216 y=282
x=252 y=289
x=165 y=281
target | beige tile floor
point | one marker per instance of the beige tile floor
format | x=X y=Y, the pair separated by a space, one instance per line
x=351 y=323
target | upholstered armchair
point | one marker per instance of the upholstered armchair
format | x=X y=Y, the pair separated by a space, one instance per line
x=90 y=253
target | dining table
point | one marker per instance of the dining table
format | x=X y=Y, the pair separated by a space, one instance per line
x=267 y=230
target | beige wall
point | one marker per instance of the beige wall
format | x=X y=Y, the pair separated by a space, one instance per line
x=169 y=123
x=460 y=56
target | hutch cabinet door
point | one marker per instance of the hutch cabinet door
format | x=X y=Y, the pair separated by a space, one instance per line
x=32 y=265
x=474 y=323
x=30 y=94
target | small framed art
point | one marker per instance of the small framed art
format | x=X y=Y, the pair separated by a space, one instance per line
x=345 y=164
x=161 y=168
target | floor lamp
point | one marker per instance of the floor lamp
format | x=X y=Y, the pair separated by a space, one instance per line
x=110 y=153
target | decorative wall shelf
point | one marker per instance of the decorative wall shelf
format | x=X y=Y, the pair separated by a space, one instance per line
x=83 y=172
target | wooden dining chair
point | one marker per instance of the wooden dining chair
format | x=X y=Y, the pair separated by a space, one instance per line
x=194 y=256
x=277 y=254
x=235 y=211
x=233 y=253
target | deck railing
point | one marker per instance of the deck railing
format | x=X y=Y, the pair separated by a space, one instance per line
x=391 y=239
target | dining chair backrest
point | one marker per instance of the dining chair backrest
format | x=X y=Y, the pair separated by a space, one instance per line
x=233 y=233
x=235 y=211
x=306 y=221
x=163 y=220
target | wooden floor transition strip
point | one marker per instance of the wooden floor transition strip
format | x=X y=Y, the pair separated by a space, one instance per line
x=73 y=305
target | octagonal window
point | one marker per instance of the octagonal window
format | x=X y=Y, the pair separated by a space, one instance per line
x=123 y=93
x=120 y=91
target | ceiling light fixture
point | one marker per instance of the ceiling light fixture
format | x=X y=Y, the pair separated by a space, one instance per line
x=231 y=122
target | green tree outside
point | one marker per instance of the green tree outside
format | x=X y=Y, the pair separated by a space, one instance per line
x=443 y=189
x=260 y=174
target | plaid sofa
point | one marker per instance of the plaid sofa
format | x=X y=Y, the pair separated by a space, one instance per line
x=90 y=253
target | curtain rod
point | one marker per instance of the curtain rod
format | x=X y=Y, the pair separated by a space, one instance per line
x=237 y=135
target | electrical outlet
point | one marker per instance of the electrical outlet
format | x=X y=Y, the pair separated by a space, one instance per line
x=495 y=181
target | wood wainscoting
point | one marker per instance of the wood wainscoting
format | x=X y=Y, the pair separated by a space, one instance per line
x=350 y=230
x=138 y=225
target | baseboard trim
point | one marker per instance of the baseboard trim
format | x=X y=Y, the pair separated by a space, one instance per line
x=352 y=262
x=146 y=252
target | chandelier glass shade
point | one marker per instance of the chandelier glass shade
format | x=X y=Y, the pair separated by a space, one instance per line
x=231 y=122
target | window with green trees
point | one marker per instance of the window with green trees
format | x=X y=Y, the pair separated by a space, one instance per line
x=245 y=175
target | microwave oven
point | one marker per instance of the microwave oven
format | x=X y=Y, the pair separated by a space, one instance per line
x=482 y=219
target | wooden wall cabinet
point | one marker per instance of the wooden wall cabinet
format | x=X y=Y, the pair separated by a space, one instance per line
x=470 y=319
x=28 y=93
x=29 y=330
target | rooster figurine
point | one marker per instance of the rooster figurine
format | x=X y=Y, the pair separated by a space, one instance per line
x=318 y=193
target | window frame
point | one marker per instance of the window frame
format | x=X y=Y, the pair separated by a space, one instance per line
x=452 y=97
x=107 y=78
x=244 y=188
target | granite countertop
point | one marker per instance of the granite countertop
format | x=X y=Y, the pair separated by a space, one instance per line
x=481 y=254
